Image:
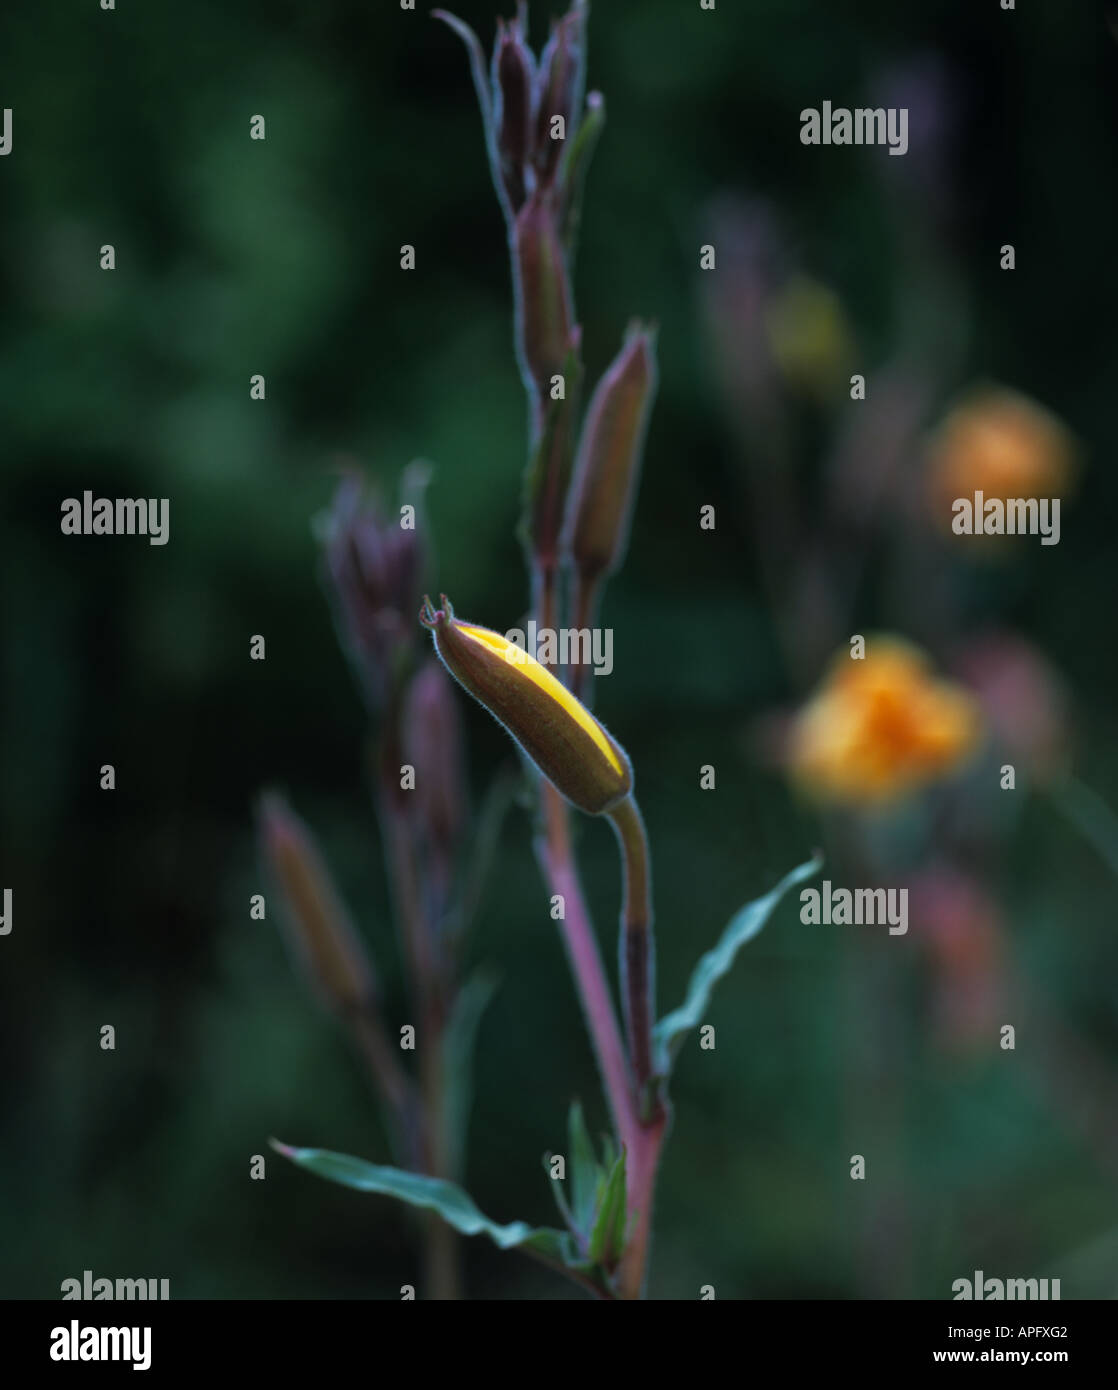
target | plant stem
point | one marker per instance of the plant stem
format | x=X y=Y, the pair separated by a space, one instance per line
x=427 y=986
x=641 y=1138
x=393 y=1087
x=638 y=976
x=642 y=1161
x=554 y=851
x=637 y=957
x=585 y=603
x=557 y=861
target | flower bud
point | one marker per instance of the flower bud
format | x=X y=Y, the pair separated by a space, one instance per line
x=543 y=293
x=561 y=81
x=373 y=571
x=560 y=735
x=433 y=746
x=518 y=102
x=512 y=87
x=608 y=461
x=321 y=933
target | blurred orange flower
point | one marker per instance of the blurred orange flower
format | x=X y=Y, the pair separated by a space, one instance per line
x=881 y=727
x=1003 y=445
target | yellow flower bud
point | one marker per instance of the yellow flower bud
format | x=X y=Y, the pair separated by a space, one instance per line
x=560 y=735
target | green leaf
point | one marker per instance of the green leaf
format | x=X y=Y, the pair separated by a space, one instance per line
x=608 y=1235
x=1090 y=815
x=561 y=1200
x=458 y=1061
x=584 y=1170
x=499 y=797
x=669 y=1033
x=481 y=87
x=573 y=172
x=432 y=1194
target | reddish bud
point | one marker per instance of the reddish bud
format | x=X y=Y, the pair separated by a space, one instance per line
x=374 y=571
x=512 y=88
x=321 y=934
x=543 y=294
x=433 y=746
x=561 y=80
x=609 y=455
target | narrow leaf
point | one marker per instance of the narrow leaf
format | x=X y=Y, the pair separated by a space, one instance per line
x=458 y=1060
x=1091 y=816
x=561 y=1202
x=573 y=172
x=432 y=1194
x=609 y=1221
x=499 y=796
x=481 y=86
x=669 y=1033
x=584 y=1169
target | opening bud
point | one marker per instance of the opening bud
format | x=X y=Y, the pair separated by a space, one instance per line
x=557 y=732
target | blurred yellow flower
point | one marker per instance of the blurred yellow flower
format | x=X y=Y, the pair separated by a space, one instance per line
x=881 y=726
x=809 y=335
x=1003 y=445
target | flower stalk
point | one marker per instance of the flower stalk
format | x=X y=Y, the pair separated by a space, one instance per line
x=637 y=951
x=580 y=522
x=557 y=863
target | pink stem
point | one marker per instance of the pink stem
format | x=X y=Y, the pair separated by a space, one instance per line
x=586 y=967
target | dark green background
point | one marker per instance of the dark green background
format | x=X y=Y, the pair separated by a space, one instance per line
x=236 y=257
